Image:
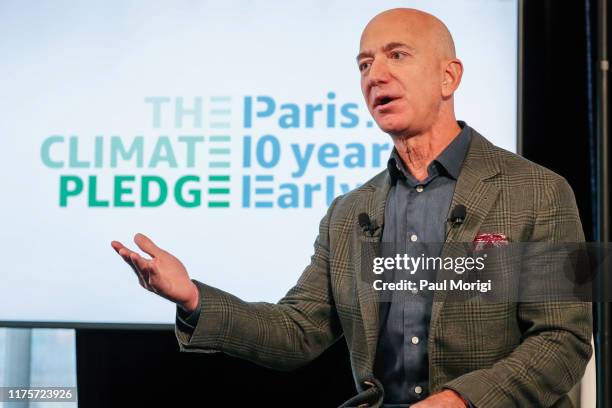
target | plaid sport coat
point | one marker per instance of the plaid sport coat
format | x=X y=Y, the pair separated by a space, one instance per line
x=497 y=355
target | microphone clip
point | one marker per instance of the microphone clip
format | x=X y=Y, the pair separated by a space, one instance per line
x=372 y=228
x=457 y=216
x=367 y=225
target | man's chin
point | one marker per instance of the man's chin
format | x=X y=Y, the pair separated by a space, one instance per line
x=390 y=122
x=392 y=129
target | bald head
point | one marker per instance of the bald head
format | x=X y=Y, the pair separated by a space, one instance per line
x=425 y=28
x=409 y=72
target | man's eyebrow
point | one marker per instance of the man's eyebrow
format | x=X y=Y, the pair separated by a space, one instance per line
x=393 y=45
x=387 y=47
x=363 y=54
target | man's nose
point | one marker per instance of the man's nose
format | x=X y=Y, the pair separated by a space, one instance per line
x=379 y=72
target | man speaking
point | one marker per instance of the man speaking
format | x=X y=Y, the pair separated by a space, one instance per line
x=431 y=354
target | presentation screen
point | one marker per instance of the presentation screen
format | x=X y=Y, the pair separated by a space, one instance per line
x=220 y=129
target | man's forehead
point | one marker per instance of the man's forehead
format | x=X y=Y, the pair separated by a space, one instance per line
x=376 y=38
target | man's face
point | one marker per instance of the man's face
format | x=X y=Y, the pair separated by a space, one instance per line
x=400 y=75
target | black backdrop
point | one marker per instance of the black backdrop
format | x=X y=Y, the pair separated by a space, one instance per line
x=121 y=367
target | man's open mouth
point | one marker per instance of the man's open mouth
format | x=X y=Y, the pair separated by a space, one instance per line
x=383 y=100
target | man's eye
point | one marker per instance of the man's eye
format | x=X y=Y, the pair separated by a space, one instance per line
x=396 y=55
x=363 y=66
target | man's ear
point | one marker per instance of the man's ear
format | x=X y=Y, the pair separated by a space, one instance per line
x=453 y=70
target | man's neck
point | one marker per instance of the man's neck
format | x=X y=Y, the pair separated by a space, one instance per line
x=419 y=150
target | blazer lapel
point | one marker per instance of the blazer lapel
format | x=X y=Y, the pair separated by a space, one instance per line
x=367 y=247
x=478 y=195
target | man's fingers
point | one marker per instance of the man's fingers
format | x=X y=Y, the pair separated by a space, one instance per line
x=143 y=266
x=125 y=254
x=117 y=245
x=141 y=278
x=147 y=245
x=139 y=261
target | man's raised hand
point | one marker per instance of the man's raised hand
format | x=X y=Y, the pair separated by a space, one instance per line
x=163 y=274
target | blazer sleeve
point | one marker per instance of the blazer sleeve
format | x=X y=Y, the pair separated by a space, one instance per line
x=282 y=336
x=556 y=342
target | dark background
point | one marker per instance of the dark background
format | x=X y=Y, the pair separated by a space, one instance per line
x=125 y=367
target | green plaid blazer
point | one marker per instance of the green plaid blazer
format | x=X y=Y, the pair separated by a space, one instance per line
x=497 y=355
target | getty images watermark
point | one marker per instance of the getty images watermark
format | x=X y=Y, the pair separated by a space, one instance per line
x=463 y=272
x=406 y=264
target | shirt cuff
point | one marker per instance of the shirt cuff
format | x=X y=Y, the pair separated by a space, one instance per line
x=188 y=320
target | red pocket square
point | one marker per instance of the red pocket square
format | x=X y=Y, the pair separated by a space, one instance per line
x=489 y=240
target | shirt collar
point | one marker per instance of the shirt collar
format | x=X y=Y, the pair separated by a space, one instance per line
x=450 y=159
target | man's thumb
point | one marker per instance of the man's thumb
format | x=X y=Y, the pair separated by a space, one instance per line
x=145 y=244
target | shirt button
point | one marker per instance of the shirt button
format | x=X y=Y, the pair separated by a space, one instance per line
x=418 y=389
x=419 y=189
x=413 y=237
x=415 y=340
